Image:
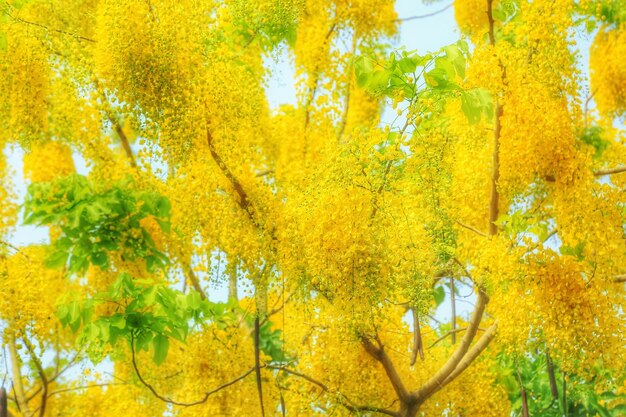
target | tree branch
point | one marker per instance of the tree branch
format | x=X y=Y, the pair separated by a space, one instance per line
x=257 y=362
x=472 y=354
x=424 y=16
x=522 y=392
x=553 y=387
x=450 y=333
x=609 y=171
x=418 y=346
x=42 y=376
x=473 y=229
x=442 y=377
x=349 y=405
x=379 y=353
x=453 y=310
x=18 y=386
x=124 y=141
x=598 y=173
x=7 y=11
x=171 y=401
x=195 y=282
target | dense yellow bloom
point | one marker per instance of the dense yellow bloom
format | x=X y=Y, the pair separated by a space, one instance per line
x=48 y=161
x=341 y=231
x=608 y=75
x=471 y=16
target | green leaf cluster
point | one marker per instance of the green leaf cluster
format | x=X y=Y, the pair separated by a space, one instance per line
x=144 y=313
x=434 y=76
x=583 y=399
x=95 y=221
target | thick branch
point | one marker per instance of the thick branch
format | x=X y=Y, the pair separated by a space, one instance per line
x=609 y=171
x=243 y=202
x=195 y=282
x=441 y=378
x=619 y=278
x=18 y=386
x=42 y=376
x=553 y=387
x=522 y=392
x=379 y=353
x=124 y=140
x=473 y=353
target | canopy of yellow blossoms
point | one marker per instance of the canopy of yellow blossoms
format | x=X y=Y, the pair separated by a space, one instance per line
x=435 y=262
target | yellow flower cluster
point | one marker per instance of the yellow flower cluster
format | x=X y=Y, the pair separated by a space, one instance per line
x=608 y=75
x=48 y=161
x=471 y=16
x=30 y=292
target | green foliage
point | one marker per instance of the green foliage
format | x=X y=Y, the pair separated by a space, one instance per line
x=592 y=136
x=434 y=76
x=576 y=251
x=270 y=25
x=145 y=313
x=582 y=398
x=439 y=293
x=602 y=13
x=96 y=221
x=148 y=314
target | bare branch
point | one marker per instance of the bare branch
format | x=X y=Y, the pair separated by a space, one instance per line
x=522 y=391
x=453 y=310
x=450 y=333
x=473 y=229
x=42 y=376
x=18 y=387
x=349 y=405
x=193 y=278
x=424 y=16
x=553 y=388
x=379 y=353
x=438 y=380
x=619 y=278
x=418 y=346
x=609 y=171
x=124 y=140
x=171 y=401
x=7 y=11
x=257 y=362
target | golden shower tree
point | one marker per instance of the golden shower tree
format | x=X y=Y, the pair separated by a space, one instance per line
x=465 y=257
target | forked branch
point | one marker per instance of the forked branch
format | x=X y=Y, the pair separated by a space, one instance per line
x=179 y=403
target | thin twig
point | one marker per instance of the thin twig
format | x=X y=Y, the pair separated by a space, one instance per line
x=424 y=16
x=418 y=345
x=7 y=11
x=349 y=405
x=171 y=401
x=473 y=229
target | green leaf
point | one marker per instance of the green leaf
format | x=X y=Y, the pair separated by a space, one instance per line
x=118 y=321
x=57 y=260
x=407 y=65
x=161 y=346
x=470 y=107
x=440 y=294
